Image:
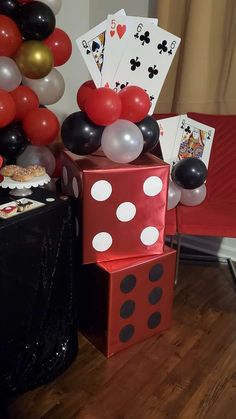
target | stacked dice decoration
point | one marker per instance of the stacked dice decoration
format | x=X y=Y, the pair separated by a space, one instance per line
x=126 y=273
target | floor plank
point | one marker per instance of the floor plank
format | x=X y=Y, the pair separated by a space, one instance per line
x=188 y=372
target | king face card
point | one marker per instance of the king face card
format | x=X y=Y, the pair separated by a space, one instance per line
x=193 y=139
x=149 y=53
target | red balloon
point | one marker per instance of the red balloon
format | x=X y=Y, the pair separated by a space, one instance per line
x=84 y=92
x=41 y=126
x=60 y=45
x=10 y=36
x=135 y=103
x=103 y=106
x=7 y=108
x=25 y=100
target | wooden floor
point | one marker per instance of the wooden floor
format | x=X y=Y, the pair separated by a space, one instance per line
x=189 y=372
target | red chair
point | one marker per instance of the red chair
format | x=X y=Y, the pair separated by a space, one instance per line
x=216 y=216
x=171 y=224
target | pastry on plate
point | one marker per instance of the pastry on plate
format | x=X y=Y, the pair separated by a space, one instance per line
x=8 y=210
x=24 y=205
x=23 y=175
x=37 y=170
x=9 y=170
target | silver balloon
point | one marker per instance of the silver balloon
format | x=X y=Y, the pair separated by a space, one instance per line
x=49 y=89
x=38 y=155
x=192 y=197
x=55 y=5
x=10 y=75
x=174 y=194
x=122 y=141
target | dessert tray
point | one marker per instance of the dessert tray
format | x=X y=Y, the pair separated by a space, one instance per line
x=23 y=188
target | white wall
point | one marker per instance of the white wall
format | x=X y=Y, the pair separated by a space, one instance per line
x=99 y=9
x=73 y=18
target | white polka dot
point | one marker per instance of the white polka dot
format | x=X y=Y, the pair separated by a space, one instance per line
x=126 y=211
x=50 y=199
x=76 y=227
x=152 y=186
x=101 y=190
x=149 y=235
x=75 y=187
x=102 y=241
x=65 y=175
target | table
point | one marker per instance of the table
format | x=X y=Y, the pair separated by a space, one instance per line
x=38 y=318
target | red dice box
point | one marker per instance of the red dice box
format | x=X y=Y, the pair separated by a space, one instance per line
x=122 y=207
x=126 y=301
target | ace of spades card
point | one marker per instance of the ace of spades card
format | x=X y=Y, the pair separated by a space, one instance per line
x=91 y=46
x=149 y=53
x=193 y=139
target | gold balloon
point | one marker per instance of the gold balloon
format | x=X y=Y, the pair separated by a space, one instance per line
x=34 y=59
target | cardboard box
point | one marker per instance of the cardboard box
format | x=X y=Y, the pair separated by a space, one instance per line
x=121 y=207
x=126 y=301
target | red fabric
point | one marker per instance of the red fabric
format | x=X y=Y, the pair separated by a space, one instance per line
x=216 y=215
x=171 y=224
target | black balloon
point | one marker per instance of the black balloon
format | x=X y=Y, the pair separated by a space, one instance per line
x=80 y=135
x=189 y=173
x=9 y=8
x=12 y=141
x=35 y=20
x=150 y=130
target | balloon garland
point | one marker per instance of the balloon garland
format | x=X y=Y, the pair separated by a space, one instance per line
x=31 y=46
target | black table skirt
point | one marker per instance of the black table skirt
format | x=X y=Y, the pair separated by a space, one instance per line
x=38 y=317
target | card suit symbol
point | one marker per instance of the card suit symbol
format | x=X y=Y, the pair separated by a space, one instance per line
x=162 y=47
x=95 y=46
x=136 y=35
x=151 y=98
x=152 y=71
x=107 y=84
x=112 y=33
x=170 y=52
x=135 y=63
x=123 y=85
x=188 y=130
x=145 y=38
x=117 y=84
x=88 y=51
x=121 y=29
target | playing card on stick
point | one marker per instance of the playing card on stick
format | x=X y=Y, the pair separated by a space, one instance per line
x=91 y=46
x=149 y=53
x=118 y=30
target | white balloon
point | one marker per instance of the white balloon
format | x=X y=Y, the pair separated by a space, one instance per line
x=122 y=141
x=192 y=197
x=41 y=155
x=55 y=5
x=49 y=89
x=174 y=194
x=10 y=75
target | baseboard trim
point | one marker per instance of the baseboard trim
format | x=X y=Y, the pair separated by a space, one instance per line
x=209 y=245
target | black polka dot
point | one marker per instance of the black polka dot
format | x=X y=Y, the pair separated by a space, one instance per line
x=127 y=309
x=154 y=320
x=126 y=333
x=127 y=284
x=155 y=295
x=156 y=272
